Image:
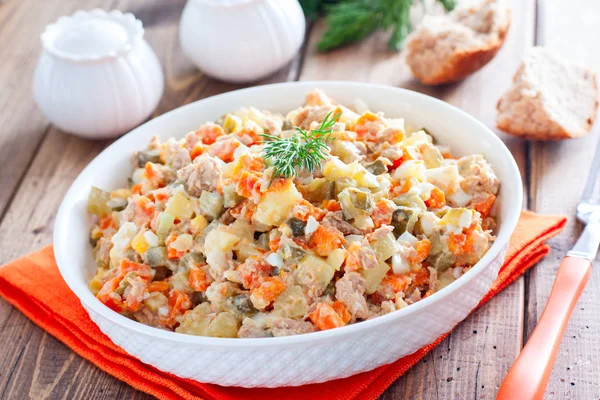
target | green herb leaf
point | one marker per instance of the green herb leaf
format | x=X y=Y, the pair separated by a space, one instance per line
x=350 y=21
x=305 y=150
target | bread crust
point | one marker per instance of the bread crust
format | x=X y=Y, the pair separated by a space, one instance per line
x=554 y=130
x=465 y=61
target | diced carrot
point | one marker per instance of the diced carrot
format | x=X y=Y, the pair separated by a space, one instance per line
x=209 y=133
x=158 y=286
x=484 y=205
x=274 y=243
x=145 y=207
x=247 y=185
x=305 y=209
x=342 y=311
x=326 y=239
x=224 y=149
x=196 y=151
x=428 y=293
x=135 y=293
x=178 y=304
x=410 y=182
x=456 y=243
x=397 y=283
x=108 y=296
x=171 y=252
x=331 y=205
x=253 y=272
x=422 y=247
x=395 y=164
x=421 y=277
x=127 y=266
x=107 y=222
x=199 y=280
x=136 y=189
x=437 y=199
x=161 y=197
x=352 y=262
x=382 y=214
x=268 y=290
x=325 y=317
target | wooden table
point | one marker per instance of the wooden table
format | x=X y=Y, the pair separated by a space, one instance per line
x=39 y=163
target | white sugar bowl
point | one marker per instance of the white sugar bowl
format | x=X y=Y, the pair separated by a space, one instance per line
x=97 y=77
x=241 y=40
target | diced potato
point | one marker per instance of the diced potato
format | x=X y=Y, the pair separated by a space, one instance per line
x=179 y=206
x=222 y=240
x=337 y=169
x=155 y=301
x=417 y=138
x=196 y=321
x=139 y=243
x=432 y=156
x=445 y=177
x=411 y=169
x=313 y=270
x=198 y=224
x=276 y=205
x=96 y=282
x=225 y=325
x=291 y=303
x=374 y=276
x=336 y=258
x=385 y=247
x=230 y=197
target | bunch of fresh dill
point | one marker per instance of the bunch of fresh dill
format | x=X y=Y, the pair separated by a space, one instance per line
x=350 y=21
x=304 y=150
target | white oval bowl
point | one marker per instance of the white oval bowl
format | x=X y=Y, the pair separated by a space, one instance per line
x=309 y=358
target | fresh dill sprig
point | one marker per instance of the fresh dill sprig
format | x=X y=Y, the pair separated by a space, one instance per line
x=349 y=21
x=304 y=150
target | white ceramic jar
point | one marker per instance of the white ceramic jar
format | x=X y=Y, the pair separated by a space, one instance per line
x=241 y=40
x=97 y=77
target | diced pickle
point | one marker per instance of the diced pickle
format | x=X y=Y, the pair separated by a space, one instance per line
x=411 y=200
x=230 y=197
x=98 y=202
x=404 y=220
x=291 y=254
x=211 y=204
x=156 y=257
x=165 y=223
x=318 y=190
x=263 y=242
x=355 y=202
x=117 y=204
x=297 y=226
x=192 y=258
x=341 y=184
x=376 y=168
x=241 y=305
x=145 y=156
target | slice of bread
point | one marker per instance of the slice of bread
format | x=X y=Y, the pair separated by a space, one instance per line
x=447 y=48
x=550 y=99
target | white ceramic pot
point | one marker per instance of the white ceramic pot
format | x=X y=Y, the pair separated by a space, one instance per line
x=241 y=40
x=313 y=357
x=97 y=77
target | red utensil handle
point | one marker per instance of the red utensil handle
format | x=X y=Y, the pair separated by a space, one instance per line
x=528 y=377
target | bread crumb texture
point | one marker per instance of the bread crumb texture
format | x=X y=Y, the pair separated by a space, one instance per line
x=447 y=48
x=550 y=99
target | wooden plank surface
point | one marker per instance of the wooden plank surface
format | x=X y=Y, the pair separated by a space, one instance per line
x=559 y=172
x=32 y=363
x=40 y=163
x=478 y=353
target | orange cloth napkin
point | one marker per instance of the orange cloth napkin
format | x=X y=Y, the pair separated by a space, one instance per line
x=33 y=285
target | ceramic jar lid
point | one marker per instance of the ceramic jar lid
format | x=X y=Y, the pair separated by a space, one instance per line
x=92 y=35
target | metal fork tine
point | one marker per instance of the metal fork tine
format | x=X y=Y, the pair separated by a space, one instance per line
x=593 y=177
